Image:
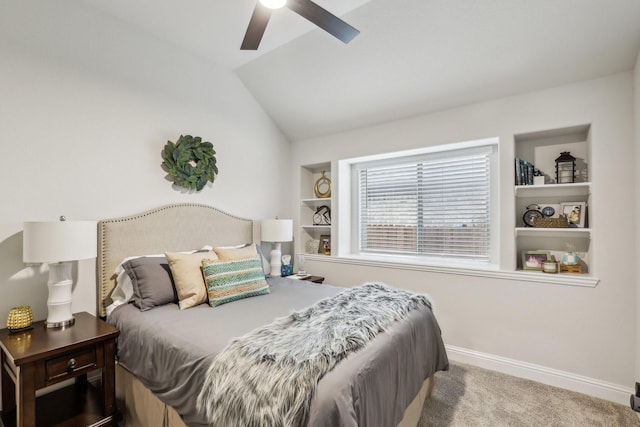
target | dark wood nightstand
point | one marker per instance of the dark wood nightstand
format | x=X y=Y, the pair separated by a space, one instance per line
x=42 y=357
x=314 y=279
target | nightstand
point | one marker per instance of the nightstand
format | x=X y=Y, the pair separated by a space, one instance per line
x=40 y=357
x=314 y=279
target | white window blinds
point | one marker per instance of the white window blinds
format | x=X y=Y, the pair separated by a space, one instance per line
x=435 y=205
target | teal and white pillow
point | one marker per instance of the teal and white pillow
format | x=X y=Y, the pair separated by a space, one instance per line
x=229 y=281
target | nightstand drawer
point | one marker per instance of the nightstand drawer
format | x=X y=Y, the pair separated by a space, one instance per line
x=65 y=366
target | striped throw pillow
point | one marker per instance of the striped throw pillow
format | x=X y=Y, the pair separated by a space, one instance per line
x=233 y=280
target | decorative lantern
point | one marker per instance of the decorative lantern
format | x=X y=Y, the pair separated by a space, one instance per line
x=565 y=168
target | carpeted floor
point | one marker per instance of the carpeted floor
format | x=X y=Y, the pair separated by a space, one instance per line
x=471 y=396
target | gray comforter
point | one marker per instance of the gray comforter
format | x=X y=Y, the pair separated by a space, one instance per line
x=170 y=350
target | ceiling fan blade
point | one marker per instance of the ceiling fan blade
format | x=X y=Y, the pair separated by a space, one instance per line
x=323 y=19
x=256 y=28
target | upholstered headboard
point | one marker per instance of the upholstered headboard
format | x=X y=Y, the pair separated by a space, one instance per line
x=171 y=228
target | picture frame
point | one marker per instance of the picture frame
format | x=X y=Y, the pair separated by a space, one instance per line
x=324 y=247
x=533 y=260
x=575 y=212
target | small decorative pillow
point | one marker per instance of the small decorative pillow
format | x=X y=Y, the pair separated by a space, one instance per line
x=243 y=251
x=152 y=282
x=187 y=276
x=233 y=280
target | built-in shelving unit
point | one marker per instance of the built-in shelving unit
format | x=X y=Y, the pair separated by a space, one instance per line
x=553 y=232
x=542 y=148
x=310 y=233
x=554 y=190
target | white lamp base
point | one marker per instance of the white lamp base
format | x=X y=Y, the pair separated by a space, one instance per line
x=276 y=259
x=59 y=302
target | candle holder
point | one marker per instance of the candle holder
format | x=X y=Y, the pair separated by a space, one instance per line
x=20 y=318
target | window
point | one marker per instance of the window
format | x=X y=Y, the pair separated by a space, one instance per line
x=434 y=204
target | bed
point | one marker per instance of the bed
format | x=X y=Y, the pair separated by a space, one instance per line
x=164 y=352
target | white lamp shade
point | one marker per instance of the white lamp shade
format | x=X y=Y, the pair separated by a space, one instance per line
x=277 y=230
x=59 y=241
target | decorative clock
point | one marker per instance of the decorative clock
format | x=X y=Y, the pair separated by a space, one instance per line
x=548 y=211
x=531 y=214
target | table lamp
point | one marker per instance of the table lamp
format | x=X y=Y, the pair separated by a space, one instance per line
x=276 y=231
x=58 y=243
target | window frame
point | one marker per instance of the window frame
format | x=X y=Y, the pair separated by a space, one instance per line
x=442 y=151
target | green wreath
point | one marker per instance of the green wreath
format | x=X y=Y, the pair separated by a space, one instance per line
x=191 y=162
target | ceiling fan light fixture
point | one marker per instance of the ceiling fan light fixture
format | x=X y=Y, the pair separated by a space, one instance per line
x=273 y=4
x=305 y=8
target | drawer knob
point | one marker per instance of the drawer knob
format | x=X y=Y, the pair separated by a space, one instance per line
x=72 y=363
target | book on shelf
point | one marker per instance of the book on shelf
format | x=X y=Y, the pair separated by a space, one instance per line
x=524 y=172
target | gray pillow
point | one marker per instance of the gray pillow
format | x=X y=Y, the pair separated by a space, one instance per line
x=152 y=282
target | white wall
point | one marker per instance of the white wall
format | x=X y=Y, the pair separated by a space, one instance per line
x=586 y=332
x=86 y=107
x=636 y=115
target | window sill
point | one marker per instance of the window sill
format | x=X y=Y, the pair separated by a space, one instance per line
x=568 y=279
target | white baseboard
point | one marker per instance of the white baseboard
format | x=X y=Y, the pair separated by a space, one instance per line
x=567 y=380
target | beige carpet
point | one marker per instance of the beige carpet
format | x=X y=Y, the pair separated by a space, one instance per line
x=471 y=396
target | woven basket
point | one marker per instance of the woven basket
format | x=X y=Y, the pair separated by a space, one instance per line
x=551 y=223
x=20 y=318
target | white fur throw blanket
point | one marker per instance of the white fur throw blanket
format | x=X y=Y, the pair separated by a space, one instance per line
x=268 y=377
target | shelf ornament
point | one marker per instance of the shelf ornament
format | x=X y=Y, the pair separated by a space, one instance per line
x=20 y=319
x=322 y=187
x=565 y=168
x=190 y=162
x=322 y=216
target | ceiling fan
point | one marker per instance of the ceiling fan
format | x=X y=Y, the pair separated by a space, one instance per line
x=305 y=8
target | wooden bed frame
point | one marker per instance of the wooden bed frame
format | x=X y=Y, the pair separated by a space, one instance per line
x=175 y=227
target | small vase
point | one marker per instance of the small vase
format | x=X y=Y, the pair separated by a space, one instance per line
x=570 y=259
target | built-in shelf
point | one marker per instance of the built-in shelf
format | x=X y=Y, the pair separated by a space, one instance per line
x=316 y=202
x=572 y=279
x=553 y=232
x=316 y=227
x=542 y=148
x=554 y=190
x=309 y=235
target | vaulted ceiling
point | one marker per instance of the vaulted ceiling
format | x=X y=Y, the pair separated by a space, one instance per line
x=411 y=57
